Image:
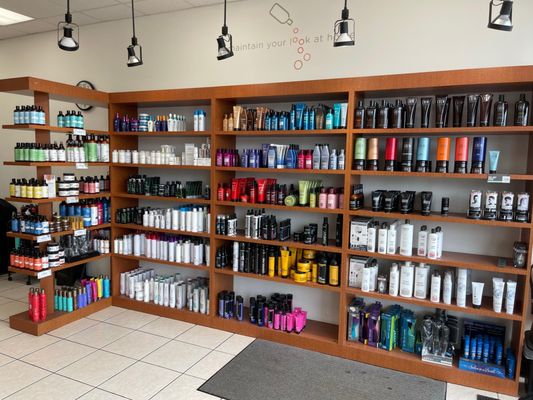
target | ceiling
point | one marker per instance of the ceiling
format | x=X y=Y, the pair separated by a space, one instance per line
x=47 y=13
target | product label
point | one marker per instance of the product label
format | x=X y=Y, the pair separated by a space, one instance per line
x=43 y=238
x=499 y=178
x=44 y=274
x=72 y=200
x=80 y=232
x=81 y=165
x=79 y=132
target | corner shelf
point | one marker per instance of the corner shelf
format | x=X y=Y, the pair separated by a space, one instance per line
x=49 y=128
x=81 y=196
x=32 y=273
x=35 y=238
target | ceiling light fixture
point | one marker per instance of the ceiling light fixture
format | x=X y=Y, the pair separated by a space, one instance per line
x=223 y=41
x=133 y=59
x=68 y=41
x=8 y=17
x=341 y=34
x=504 y=19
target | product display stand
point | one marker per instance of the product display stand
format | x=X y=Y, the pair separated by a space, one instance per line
x=330 y=338
x=41 y=92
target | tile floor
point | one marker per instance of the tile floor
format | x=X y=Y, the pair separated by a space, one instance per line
x=119 y=354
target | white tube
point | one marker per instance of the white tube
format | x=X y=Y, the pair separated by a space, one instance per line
x=421 y=281
x=365 y=285
x=477 y=294
x=406 y=280
x=498 y=287
x=510 y=297
x=462 y=278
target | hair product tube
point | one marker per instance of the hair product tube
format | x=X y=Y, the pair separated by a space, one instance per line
x=479 y=150
x=458 y=105
x=425 y=199
x=407 y=154
x=426 y=111
x=372 y=155
x=359 y=162
x=498 y=287
x=510 y=297
x=461 y=155
x=443 y=155
x=471 y=110
x=390 y=154
x=411 y=112
x=441 y=116
x=477 y=294
x=422 y=155
x=484 y=109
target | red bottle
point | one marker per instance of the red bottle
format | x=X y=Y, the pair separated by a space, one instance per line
x=30 y=297
x=35 y=308
x=42 y=305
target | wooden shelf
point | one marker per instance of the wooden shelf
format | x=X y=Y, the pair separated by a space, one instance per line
x=163 y=134
x=331 y=248
x=52 y=164
x=281 y=208
x=486 y=309
x=32 y=273
x=318 y=132
x=162 y=311
x=30 y=127
x=482 y=177
x=163 y=262
x=27 y=236
x=287 y=281
x=284 y=170
x=451 y=259
x=452 y=217
x=56 y=199
x=161 y=198
x=478 y=130
x=163 y=166
x=150 y=229
x=22 y=321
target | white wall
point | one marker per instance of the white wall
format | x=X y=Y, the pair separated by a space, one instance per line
x=180 y=51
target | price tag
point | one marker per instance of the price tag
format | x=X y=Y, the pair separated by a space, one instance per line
x=72 y=200
x=81 y=165
x=80 y=232
x=79 y=132
x=43 y=238
x=44 y=274
x=499 y=179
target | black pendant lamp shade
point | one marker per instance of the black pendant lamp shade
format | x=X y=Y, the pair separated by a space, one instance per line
x=504 y=19
x=344 y=30
x=70 y=41
x=225 y=41
x=135 y=50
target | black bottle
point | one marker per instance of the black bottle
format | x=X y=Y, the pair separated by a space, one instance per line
x=521 y=111
x=383 y=115
x=500 y=111
x=325 y=232
x=360 y=115
x=398 y=115
x=371 y=115
x=338 y=231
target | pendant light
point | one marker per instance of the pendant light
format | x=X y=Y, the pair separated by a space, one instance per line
x=225 y=39
x=341 y=34
x=133 y=59
x=68 y=41
x=504 y=19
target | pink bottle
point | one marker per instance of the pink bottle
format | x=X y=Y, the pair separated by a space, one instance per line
x=290 y=322
x=332 y=199
x=322 y=198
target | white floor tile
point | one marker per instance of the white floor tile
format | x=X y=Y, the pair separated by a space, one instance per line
x=169 y=328
x=96 y=368
x=5 y=359
x=53 y=387
x=131 y=319
x=99 y=335
x=209 y=365
x=58 y=355
x=106 y=313
x=141 y=381
x=184 y=388
x=205 y=337
x=24 y=344
x=4 y=300
x=457 y=392
x=6 y=332
x=235 y=344
x=73 y=327
x=12 y=307
x=6 y=285
x=136 y=345
x=17 y=375
x=177 y=356
x=97 y=394
x=17 y=292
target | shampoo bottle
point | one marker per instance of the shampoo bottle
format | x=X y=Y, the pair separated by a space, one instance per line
x=406 y=280
x=371 y=238
x=433 y=245
x=324 y=157
x=421 y=281
x=382 y=238
x=500 y=111
x=316 y=157
x=422 y=241
x=406 y=239
x=521 y=111
x=391 y=239
x=462 y=279
x=440 y=237
x=394 y=280
x=447 y=288
x=435 y=287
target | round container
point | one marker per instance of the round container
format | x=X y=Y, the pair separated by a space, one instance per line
x=69 y=177
x=309 y=254
x=300 y=277
x=52 y=248
x=304 y=266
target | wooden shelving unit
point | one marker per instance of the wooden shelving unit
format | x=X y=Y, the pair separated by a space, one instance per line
x=41 y=92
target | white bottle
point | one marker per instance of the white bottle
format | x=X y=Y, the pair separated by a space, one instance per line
x=462 y=278
x=406 y=239
x=324 y=157
x=406 y=280
x=371 y=238
x=333 y=159
x=447 y=288
x=433 y=245
x=341 y=160
x=435 y=287
x=382 y=238
x=394 y=280
x=421 y=281
x=422 y=242
x=316 y=157
x=391 y=238
x=440 y=233
x=373 y=276
x=367 y=275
